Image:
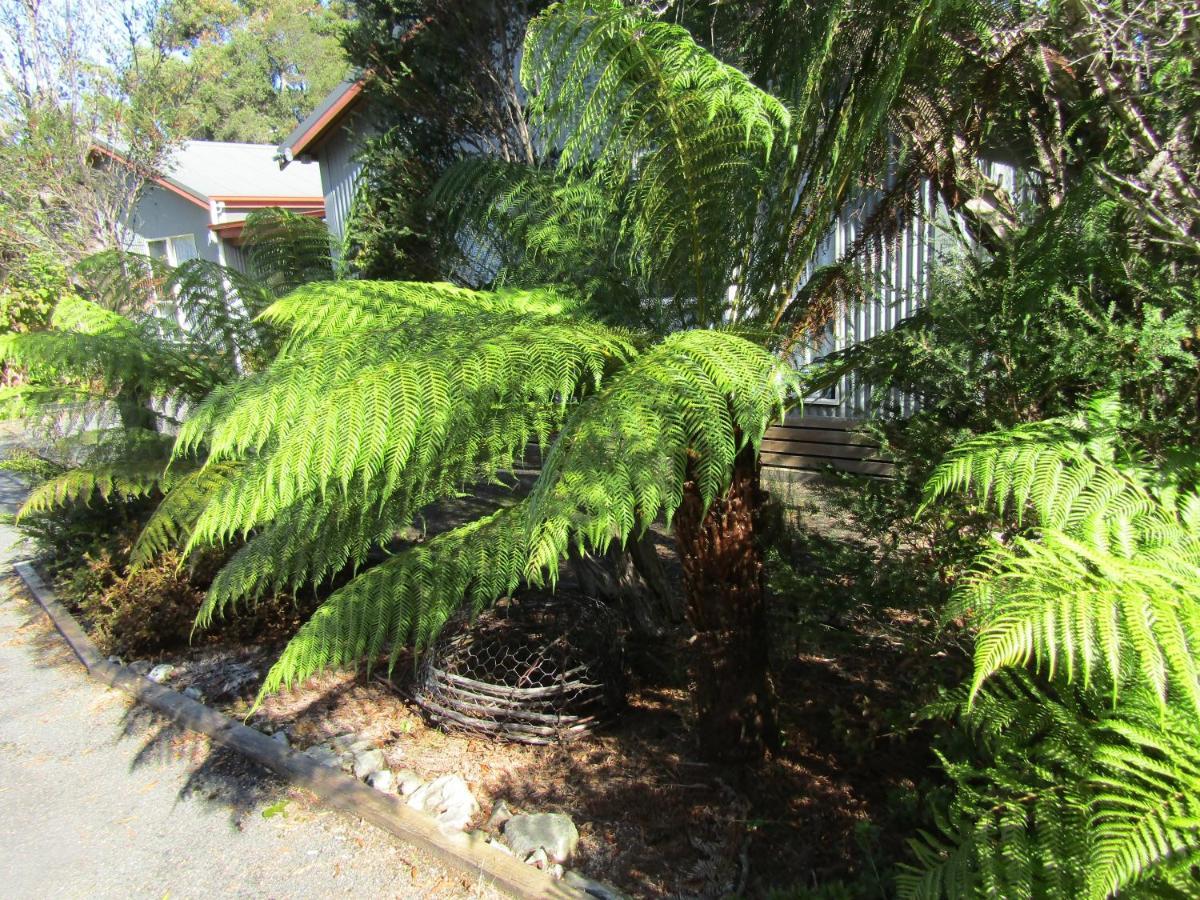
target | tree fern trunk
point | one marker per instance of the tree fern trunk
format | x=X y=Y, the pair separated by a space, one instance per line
x=726 y=599
x=632 y=579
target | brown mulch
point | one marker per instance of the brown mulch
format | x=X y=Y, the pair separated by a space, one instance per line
x=653 y=818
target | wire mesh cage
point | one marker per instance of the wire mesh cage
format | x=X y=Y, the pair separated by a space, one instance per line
x=538 y=670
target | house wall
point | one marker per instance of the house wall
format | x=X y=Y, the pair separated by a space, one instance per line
x=161 y=213
x=339 y=173
x=901 y=274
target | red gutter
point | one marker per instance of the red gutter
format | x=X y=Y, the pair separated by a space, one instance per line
x=331 y=117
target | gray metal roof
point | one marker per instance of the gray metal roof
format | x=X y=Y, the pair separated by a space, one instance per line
x=220 y=169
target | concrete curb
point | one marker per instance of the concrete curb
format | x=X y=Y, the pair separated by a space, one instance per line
x=470 y=855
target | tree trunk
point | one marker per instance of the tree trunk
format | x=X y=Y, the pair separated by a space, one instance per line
x=632 y=579
x=726 y=605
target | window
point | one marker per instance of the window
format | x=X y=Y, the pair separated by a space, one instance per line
x=814 y=350
x=173 y=250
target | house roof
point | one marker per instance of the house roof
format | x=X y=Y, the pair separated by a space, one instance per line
x=329 y=112
x=238 y=174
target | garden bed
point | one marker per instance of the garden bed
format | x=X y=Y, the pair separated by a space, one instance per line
x=654 y=819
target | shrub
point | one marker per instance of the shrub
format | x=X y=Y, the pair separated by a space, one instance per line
x=138 y=612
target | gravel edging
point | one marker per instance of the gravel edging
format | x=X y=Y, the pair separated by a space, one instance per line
x=470 y=855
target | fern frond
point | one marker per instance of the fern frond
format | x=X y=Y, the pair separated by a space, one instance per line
x=633 y=105
x=285 y=249
x=622 y=458
x=1061 y=603
x=337 y=414
x=188 y=488
x=1146 y=809
x=128 y=464
x=684 y=408
x=406 y=600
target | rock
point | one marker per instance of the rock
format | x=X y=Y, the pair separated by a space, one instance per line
x=596 y=889
x=193 y=693
x=351 y=743
x=408 y=781
x=383 y=781
x=282 y=738
x=368 y=762
x=161 y=673
x=555 y=871
x=552 y=832
x=141 y=666
x=500 y=814
x=448 y=798
x=115 y=660
x=538 y=858
x=324 y=755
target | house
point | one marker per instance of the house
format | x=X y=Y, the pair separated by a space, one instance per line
x=330 y=138
x=195 y=202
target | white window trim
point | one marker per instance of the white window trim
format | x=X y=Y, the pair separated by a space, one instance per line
x=168 y=242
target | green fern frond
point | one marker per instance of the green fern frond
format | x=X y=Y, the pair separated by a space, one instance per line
x=1066 y=798
x=188 y=490
x=406 y=600
x=1065 y=605
x=682 y=409
x=634 y=106
x=286 y=249
x=123 y=464
x=336 y=414
x=1146 y=809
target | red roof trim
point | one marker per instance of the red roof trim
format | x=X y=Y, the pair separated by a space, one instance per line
x=330 y=118
x=232 y=231
x=193 y=197
x=257 y=200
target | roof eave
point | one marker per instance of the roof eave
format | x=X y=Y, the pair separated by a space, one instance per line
x=324 y=118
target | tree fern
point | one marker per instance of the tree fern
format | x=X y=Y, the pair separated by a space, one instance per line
x=633 y=109
x=285 y=250
x=1098 y=590
x=463 y=385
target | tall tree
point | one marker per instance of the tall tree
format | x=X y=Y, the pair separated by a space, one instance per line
x=442 y=83
x=73 y=73
x=258 y=68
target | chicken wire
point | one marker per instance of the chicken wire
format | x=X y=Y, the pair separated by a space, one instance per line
x=537 y=671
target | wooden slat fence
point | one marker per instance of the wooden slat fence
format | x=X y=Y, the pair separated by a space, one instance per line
x=819 y=445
